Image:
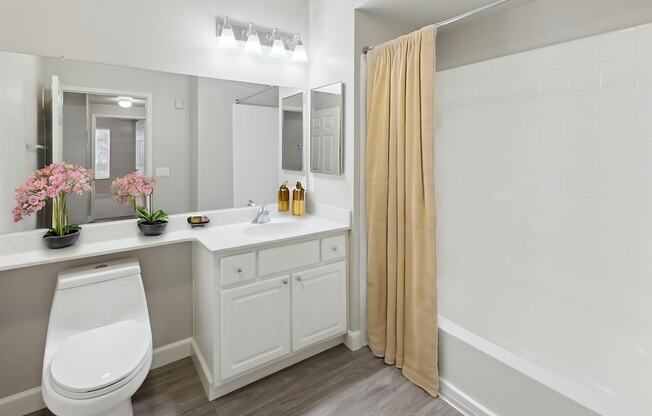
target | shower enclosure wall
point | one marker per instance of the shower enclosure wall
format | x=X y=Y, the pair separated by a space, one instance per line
x=544 y=205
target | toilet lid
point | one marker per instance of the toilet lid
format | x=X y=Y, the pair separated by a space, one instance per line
x=94 y=359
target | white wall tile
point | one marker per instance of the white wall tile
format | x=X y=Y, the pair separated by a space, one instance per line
x=645 y=97
x=583 y=77
x=618 y=71
x=644 y=53
x=616 y=44
x=577 y=52
x=619 y=100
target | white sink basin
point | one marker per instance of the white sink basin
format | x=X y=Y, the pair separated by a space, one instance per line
x=274 y=228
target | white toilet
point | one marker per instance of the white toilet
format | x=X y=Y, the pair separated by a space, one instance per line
x=99 y=345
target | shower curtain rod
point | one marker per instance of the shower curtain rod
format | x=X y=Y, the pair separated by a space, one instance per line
x=240 y=100
x=455 y=18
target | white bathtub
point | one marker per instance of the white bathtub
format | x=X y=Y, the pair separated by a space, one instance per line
x=511 y=351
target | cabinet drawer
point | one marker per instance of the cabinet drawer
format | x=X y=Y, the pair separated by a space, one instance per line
x=288 y=257
x=238 y=268
x=333 y=248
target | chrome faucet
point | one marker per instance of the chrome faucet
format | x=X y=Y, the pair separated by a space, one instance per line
x=262 y=217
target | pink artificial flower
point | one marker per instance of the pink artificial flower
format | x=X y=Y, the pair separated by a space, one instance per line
x=50 y=182
x=131 y=187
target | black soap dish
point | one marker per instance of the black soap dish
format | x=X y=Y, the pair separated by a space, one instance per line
x=198 y=221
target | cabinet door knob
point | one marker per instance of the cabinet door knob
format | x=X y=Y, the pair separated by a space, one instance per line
x=299 y=278
x=285 y=281
x=238 y=269
x=334 y=248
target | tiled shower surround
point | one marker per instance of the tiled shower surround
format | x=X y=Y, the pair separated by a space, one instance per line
x=544 y=172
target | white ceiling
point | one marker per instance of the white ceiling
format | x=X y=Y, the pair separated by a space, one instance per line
x=419 y=13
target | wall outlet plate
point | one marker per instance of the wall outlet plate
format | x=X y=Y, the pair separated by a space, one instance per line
x=165 y=171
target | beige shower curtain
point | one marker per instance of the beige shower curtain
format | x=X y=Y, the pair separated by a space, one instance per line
x=401 y=286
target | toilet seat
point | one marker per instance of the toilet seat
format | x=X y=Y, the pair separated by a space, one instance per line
x=95 y=362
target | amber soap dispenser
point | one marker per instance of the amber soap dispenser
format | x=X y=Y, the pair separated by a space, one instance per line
x=283 y=198
x=298 y=200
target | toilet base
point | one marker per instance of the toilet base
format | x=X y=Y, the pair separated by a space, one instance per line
x=123 y=409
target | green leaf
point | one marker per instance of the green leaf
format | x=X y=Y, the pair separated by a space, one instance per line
x=159 y=216
x=71 y=228
x=143 y=214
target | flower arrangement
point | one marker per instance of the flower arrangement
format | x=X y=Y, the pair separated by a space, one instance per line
x=52 y=183
x=135 y=188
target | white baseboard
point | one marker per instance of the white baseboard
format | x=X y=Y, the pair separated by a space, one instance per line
x=354 y=340
x=461 y=401
x=22 y=403
x=171 y=352
x=31 y=400
x=203 y=371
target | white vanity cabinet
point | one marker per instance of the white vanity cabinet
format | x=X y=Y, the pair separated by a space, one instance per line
x=260 y=309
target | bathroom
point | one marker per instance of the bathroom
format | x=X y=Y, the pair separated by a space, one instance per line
x=308 y=256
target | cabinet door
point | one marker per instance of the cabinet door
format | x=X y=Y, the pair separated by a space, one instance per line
x=318 y=304
x=255 y=325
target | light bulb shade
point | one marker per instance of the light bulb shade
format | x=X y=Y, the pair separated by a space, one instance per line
x=125 y=102
x=278 y=49
x=253 y=44
x=227 y=39
x=299 y=54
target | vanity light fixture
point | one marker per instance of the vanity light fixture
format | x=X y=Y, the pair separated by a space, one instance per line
x=259 y=40
x=125 y=102
x=278 y=47
x=253 y=42
x=299 y=54
x=227 y=36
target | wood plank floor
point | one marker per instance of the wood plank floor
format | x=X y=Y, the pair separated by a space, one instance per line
x=336 y=382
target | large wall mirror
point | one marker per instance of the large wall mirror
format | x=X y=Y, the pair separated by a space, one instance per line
x=292 y=133
x=326 y=122
x=209 y=143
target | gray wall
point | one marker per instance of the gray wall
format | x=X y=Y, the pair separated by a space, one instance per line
x=292 y=138
x=26 y=297
x=534 y=24
x=123 y=149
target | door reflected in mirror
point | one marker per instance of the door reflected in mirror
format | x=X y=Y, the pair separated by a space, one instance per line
x=107 y=133
x=326 y=129
x=292 y=133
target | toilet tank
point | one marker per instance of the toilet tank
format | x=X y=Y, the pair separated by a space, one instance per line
x=91 y=296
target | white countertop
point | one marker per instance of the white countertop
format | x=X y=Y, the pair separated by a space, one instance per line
x=228 y=230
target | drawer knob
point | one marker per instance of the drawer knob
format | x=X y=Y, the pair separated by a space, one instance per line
x=238 y=269
x=299 y=278
x=334 y=248
x=285 y=281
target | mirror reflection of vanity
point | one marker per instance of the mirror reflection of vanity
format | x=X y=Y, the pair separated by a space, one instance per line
x=186 y=131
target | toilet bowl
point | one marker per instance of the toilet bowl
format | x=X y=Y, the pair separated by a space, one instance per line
x=98 y=349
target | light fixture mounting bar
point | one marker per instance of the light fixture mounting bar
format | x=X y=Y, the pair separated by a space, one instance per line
x=240 y=30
